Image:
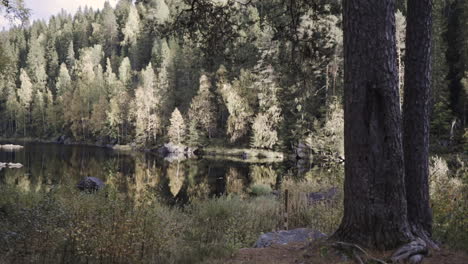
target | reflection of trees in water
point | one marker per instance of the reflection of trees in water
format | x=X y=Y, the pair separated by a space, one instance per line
x=235 y=181
x=199 y=191
x=147 y=176
x=263 y=174
x=175 y=173
x=17 y=178
x=198 y=185
x=49 y=165
x=137 y=176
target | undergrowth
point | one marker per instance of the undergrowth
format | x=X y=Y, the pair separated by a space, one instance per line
x=67 y=226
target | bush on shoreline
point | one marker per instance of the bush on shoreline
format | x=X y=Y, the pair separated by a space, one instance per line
x=67 y=226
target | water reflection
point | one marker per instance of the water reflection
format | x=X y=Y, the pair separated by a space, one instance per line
x=138 y=176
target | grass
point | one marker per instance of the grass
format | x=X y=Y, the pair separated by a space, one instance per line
x=260 y=189
x=67 y=226
x=449 y=202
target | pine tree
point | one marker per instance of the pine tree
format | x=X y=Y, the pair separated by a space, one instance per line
x=105 y=30
x=36 y=63
x=125 y=73
x=132 y=28
x=25 y=94
x=177 y=129
x=63 y=83
x=90 y=87
x=441 y=113
x=53 y=119
x=194 y=137
x=112 y=85
x=118 y=115
x=202 y=112
x=98 y=120
x=52 y=62
x=70 y=59
x=122 y=10
x=240 y=113
x=375 y=208
x=38 y=114
x=146 y=104
x=165 y=81
x=267 y=121
x=81 y=29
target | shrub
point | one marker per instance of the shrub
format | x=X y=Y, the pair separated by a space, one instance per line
x=260 y=189
x=449 y=199
x=65 y=225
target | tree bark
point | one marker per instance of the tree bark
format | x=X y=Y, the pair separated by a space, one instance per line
x=375 y=209
x=416 y=109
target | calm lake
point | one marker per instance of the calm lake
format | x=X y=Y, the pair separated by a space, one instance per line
x=134 y=174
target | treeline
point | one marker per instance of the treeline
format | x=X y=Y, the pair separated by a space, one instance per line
x=265 y=74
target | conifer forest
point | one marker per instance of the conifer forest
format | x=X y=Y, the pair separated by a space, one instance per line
x=202 y=131
x=264 y=74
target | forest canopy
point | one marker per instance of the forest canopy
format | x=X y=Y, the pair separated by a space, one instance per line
x=264 y=74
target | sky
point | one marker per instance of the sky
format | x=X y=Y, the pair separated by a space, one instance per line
x=43 y=9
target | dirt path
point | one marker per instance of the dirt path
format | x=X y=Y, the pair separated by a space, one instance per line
x=302 y=254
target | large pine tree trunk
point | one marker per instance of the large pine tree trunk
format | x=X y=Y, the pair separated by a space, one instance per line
x=416 y=114
x=375 y=211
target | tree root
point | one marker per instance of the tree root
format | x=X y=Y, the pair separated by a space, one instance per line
x=355 y=252
x=412 y=252
x=419 y=232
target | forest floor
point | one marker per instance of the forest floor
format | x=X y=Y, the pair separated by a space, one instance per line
x=300 y=253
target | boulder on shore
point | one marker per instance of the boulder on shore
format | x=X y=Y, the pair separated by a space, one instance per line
x=11 y=147
x=322 y=196
x=171 y=148
x=283 y=237
x=90 y=184
x=12 y=165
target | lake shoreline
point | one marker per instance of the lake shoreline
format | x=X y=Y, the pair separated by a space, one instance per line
x=236 y=154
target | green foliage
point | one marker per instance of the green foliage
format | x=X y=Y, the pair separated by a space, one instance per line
x=282 y=71
x=449 y=201
x=146 y=103
x=240 y=113
x=328 y=139
x=442 y=115
x=267 y=121
x=177 y=129
x=202 y=110
x=195 y=137
x=260 y=189
x=132 y=27
x=64 y=83
x=65 y=225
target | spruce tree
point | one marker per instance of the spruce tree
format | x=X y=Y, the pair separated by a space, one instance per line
x=70 y=59
x=441 y=116
x=64 y=83
x=240 y=112
x=202 y=112
x=25 y=95
x=177 y=129
x=146 y=105
x=267 y=121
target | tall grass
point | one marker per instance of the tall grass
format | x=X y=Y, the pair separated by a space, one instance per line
x=449 y=200
x=66 y=226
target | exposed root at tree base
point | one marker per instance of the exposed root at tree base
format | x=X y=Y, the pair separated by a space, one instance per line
x=323 y=253
x=418 y=231
x=413 y=252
